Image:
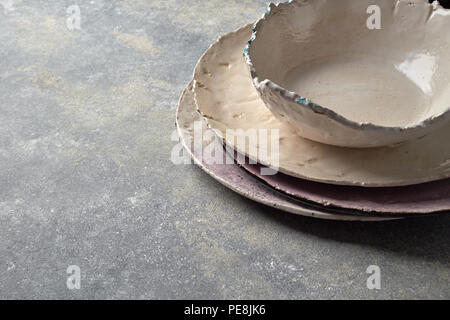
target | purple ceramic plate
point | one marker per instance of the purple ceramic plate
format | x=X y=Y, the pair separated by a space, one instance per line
x=427 y=198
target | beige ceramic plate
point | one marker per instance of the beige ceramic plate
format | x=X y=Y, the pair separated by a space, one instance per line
x=225 y=95
x=235 y=178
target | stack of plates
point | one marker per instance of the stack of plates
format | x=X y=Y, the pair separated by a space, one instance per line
x=313 y=179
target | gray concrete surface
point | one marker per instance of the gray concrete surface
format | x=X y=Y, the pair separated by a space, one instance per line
x=86 y=178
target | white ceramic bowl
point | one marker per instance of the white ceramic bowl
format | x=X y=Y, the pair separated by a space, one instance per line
x=326 y=68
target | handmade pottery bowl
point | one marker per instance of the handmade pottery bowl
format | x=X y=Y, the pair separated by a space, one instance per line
x=363 y=73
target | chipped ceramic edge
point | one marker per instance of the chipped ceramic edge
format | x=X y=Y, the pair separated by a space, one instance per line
x=292 y=207
x=307 y=103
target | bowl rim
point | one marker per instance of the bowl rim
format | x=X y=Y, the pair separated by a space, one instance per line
x=306 y=103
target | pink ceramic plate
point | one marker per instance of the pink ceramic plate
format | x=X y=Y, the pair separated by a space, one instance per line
x=424 y=198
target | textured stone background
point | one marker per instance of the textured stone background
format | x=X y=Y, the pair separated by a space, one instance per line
x=86 y=178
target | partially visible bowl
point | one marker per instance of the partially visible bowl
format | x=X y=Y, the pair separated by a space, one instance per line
x=326 y=68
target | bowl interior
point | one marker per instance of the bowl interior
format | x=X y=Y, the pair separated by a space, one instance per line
x=323 y=50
